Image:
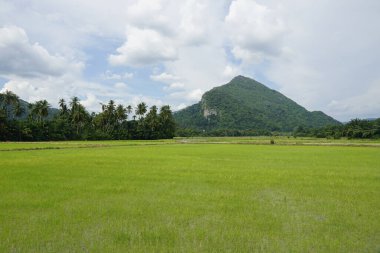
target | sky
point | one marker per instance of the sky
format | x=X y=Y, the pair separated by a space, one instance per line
x=322 y=54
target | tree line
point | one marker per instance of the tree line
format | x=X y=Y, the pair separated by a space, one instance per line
x=40 y=122
x=354 y=129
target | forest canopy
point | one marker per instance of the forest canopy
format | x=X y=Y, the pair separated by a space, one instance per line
x=21 y=121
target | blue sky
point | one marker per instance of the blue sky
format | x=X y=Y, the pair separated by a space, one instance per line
x=322 y=54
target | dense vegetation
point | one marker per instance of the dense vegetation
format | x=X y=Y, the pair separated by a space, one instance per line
x=245 y=104
x=20 y=121
x=355 y=129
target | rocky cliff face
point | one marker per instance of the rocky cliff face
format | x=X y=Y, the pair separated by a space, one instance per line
x=207 y=111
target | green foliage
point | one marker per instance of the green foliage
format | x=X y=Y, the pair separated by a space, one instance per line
x=355 y=129
x=244 y=104
x=74 y=122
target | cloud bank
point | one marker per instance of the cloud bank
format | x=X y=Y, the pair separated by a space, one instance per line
x=323 y=54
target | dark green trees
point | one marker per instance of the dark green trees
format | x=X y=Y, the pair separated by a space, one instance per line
x=141 y=110
x=166 y=122
x=10 y=108
x=39 y=111
x=73 y=122
x=9 y=105
x=355 y=129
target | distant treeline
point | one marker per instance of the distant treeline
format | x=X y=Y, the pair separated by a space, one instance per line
x=72 y=121
x=355 y=129
x=188 y=132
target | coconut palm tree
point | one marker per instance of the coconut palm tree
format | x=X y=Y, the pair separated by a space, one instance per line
x=129 y=110
x=141 y=110
x=121 y=113
x=18 y=110
x=78 y=114
x=8 y=100
x=39 y=110
x=167 y=123
x=63 y=107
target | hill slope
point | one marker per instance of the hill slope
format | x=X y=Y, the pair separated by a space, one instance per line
x=245 y=104
x=25 y=106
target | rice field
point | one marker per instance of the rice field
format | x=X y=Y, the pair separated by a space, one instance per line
x=190 y=195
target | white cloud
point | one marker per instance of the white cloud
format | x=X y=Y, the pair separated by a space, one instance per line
x=321 y=54
x=200 y=67
x=367 y=104
x=164 y=77
x=136 y=99
x=65 y=25
x=121 y=85
x=153 y=15
x=173 y=82
x=255 y=30
x=128 y=75
x=175 y=86
x=180 y=107
x=91 y=102
x=193 y=96
x=158 y=29
x=231 y=71
x=35 y=89
x=144 y=47
x=330 y=56
x=109 y=75
x=20 y=57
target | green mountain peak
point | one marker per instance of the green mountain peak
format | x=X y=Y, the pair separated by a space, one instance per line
x=245 y=104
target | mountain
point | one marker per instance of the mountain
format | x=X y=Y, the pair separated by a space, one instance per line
x=25 y=106
x=245 y=104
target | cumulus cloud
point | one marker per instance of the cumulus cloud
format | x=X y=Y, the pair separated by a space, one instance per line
x=189 y=96
x=322 y=54
x=144 y=47
x=255 y=30
x=165 y=77
x=172 y=82
x=20 y=57
x=330 y=63
x=153 y=15
x=179 y=107
x=175 y=86
x=366 y=105
x=35 y=89
x=231 y=71
x=121 y=85
x=158 y=30
x=91 y=102
x=109 y=75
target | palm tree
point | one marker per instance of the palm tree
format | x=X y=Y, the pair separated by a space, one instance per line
x=10 y=98
x=18 y=110
x=78 y=114
x=39 y=110
x=7 y=101
x=44 y=108
x=129 y=110
x=152 y=120
x=167 y=123
x=141 y=109
x=111 y=106
x=63 y=107
x=121 y=113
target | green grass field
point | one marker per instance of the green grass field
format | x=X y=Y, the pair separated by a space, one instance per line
x=184 y=195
